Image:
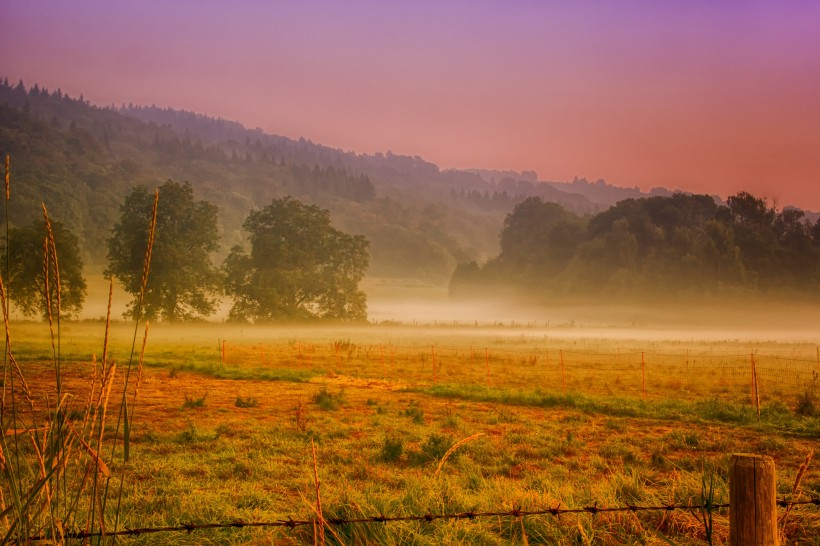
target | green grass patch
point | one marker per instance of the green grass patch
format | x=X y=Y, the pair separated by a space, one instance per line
x=773 y=417
x=259 y=374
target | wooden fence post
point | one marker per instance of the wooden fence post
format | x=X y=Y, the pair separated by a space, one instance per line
x=487 y=359
x=755 y=389
x=753 y=506
x=643 y=375
x=433 y=351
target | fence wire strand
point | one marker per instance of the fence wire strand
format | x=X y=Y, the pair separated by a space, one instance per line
x=427 y=518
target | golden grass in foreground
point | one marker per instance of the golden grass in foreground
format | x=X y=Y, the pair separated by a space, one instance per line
x=220 y=462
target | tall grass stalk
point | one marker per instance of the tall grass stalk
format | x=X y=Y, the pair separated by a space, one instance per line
x=55 y=478
x=123 y=418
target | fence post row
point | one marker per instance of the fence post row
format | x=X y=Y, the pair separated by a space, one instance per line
x=752 y=501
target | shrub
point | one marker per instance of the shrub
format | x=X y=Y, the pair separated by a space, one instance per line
x=191 y=402
x=327 y=400
x=415 y=413
x=190 y=435
x=435 y=447
x=392 y=449
x=248 y=402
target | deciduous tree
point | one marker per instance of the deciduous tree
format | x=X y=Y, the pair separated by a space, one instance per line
x=183 y=282
x=27 y=274
x=299 y=267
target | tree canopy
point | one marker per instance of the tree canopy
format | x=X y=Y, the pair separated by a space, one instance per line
x=299 y=267
x=657 y=245
x=183 y=282
x=26 y=279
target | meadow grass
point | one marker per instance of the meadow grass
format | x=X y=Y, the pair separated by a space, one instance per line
x=381 y=437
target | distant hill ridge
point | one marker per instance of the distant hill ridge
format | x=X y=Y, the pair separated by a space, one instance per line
x=594 y=196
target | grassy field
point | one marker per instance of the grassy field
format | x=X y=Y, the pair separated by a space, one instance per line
x=226 y=417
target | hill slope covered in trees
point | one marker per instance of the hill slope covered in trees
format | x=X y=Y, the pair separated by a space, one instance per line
x=82 y=160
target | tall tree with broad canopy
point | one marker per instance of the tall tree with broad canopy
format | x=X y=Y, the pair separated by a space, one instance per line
x=183 y=283
x=299 y=267
x=26 y=275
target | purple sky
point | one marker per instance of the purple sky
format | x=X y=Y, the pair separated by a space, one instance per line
x=706 y=96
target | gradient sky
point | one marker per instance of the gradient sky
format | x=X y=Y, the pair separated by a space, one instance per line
x=705 y=96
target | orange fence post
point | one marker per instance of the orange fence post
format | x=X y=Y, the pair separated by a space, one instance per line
x=756 y=391
x=752 y=377
x=433 y=350
x=487 y=358
x=643 y=374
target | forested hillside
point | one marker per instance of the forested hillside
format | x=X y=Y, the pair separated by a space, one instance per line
x=421 y=221
x=678 y=246
x=81 y=160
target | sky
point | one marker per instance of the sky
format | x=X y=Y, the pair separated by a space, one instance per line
x=705 y=96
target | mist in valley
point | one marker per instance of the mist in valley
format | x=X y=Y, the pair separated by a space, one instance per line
x=408 y=308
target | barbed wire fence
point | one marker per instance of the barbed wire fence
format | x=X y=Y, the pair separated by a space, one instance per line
x=427 y=518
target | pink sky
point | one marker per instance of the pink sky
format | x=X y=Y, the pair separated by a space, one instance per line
x=709 y=97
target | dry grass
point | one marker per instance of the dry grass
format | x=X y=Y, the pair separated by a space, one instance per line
x=455 y=446
x=56 y=476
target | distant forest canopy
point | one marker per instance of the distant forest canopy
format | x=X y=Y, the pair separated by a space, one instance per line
x=678 y=245
x=421 y=221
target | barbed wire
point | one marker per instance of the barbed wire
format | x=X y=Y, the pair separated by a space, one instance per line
x=427 y=518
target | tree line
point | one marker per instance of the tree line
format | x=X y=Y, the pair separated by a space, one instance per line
x=296 y=266
x=676 y=245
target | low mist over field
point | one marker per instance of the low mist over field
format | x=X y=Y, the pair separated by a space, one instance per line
x=394 y=304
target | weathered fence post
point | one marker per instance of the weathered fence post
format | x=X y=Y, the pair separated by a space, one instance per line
x=753 y=506
x=643 y=375
x=433 y=350
x=487 y=356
